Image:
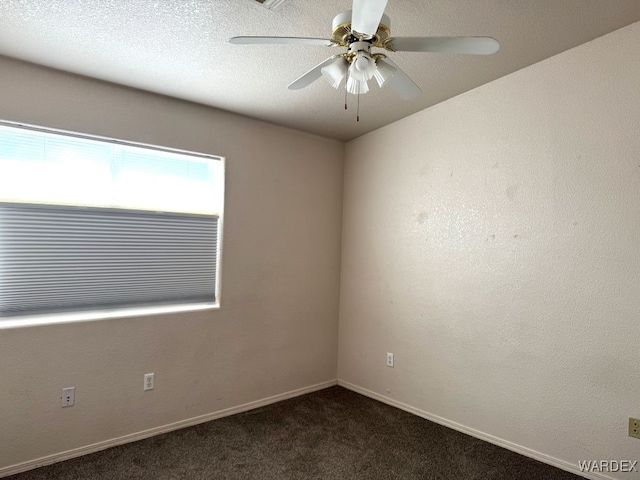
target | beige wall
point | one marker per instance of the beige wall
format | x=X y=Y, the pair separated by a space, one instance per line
x=492 y=243
x=276 y=331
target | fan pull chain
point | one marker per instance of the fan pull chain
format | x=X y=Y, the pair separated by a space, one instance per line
x=345 y=97
x=346 y=91
x=346 y=80
x=358 y=105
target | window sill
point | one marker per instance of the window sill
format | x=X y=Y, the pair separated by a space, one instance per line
x=58 y=318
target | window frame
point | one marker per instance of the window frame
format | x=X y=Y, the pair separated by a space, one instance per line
x=134 y=311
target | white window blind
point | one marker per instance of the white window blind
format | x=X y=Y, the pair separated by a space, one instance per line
x=89 y=224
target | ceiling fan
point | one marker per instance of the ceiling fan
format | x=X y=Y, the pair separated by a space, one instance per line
x=359 y=30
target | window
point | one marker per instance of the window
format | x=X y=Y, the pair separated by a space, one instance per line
x=95 y=225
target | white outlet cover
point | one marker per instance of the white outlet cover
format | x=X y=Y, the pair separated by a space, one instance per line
x=149 y=381
x=68 y=398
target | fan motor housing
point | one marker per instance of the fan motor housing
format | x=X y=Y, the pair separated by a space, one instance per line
x=343 y=35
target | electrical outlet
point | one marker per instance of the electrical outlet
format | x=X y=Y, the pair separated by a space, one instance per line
x=390 y=360
x=634 y=427
x=68 y=397
x=149 y=379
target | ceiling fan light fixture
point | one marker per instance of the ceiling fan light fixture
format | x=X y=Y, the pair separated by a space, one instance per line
x=384 y=71
x=357 y=87
x=361 y=62
x=335 y=72
x=362 y=67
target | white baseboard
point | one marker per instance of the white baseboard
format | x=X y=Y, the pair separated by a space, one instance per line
x=527 y=452
x=133 y=437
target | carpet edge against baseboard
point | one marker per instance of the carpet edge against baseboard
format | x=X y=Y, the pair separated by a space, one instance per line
x=514 y=447
x=134 y=437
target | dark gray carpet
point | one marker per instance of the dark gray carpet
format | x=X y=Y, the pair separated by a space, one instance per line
x=330 y=434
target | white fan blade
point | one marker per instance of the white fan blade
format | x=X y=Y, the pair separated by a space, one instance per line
x=402 y=84
x=321 y=42
x=366 y=16
x=469 y=45
x=311 y=76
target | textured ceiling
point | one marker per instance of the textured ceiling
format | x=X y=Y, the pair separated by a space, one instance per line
x=180 y=48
